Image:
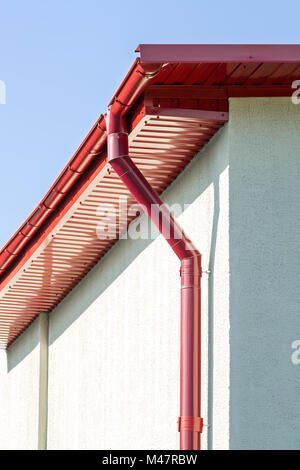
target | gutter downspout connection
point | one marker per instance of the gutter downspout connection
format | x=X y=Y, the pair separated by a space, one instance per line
x=132 y=86
x=190 y=423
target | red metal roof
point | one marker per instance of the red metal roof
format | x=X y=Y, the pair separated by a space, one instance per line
x=176 y=99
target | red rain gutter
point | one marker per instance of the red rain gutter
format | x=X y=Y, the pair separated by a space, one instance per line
x=190 y=422
x=132 y=86
x=87 y=151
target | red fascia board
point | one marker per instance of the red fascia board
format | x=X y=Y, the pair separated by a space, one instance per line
x=218 y=53
x=220 y=92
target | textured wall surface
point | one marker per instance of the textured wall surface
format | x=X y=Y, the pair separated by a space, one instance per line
x=264 y=148
x=19 y=388
x=114 y=341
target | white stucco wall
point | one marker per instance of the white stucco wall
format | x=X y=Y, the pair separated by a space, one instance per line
x=264 y=149
x=114 y=341
x=19 y=389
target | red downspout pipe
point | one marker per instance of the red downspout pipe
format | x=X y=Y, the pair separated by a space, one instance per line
x=190 y=422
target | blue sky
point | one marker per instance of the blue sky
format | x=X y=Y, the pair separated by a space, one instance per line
x=62 y=60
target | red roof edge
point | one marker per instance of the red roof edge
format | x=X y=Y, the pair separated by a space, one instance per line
x=152 y=59
x=210 y=53
x=83 y=156
x=129 y=90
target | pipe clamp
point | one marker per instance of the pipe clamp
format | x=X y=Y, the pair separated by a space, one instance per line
x=190 y=423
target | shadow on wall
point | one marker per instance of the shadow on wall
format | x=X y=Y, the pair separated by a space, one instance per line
x=202 y=173
x=23 y=345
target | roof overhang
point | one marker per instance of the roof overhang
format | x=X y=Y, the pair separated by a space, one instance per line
x=176 y=99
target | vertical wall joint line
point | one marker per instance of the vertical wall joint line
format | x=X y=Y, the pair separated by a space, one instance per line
x=43 y=381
